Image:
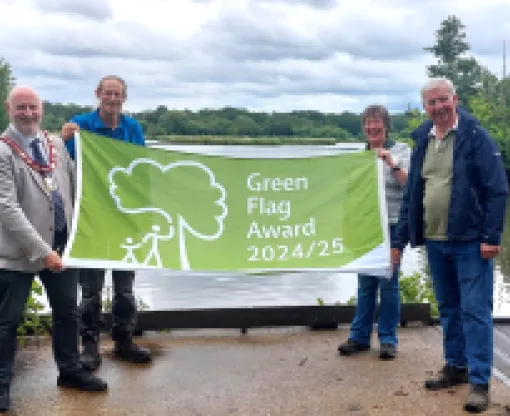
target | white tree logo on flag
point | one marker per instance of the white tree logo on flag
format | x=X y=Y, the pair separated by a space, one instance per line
x=176 y=223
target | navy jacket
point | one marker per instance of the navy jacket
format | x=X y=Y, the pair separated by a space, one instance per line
x=479 y=188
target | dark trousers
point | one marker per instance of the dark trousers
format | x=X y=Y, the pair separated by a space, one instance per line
x=463 y=284
x=123 y=306
x=61 y=289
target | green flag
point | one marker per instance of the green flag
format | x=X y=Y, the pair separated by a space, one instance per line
x=227 y=209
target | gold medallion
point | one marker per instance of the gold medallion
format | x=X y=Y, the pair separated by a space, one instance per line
x=48 y=180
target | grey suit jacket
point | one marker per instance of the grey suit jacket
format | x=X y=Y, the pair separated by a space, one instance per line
x=26 y=208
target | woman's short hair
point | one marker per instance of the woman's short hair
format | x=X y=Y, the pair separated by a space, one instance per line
x=376 y=111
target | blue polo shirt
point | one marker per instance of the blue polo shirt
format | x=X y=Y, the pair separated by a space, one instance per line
x=128 y=130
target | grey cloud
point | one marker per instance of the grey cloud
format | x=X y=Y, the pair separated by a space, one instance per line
x=103 y=40
x=351 y=85
x=242 y=35
x=56 y=73
x=316 y=4
x=248 y=56
x=203 y=75
x=237 y=55
x=250 y=36
x=319 y=76
x=92 y=9
x=265 y=80
x=224 y=81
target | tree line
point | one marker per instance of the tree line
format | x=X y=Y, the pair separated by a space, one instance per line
x=481 y=92
x=239 y=122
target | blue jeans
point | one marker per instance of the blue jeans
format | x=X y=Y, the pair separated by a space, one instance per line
x=389 y=308
x=463 y=285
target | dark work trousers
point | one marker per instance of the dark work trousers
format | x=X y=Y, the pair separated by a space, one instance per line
x=123 y=305
x=62 y=291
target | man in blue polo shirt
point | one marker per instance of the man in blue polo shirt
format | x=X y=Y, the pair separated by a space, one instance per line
x=107 y=120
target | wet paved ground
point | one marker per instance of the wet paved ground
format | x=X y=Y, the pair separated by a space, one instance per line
x=276 y=372
x=502 y=352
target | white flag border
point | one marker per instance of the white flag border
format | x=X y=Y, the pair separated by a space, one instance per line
x=66 y=260
x=380 y=269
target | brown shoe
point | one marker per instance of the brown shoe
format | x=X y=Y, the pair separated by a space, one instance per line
x=478 y=398
x=448 y=376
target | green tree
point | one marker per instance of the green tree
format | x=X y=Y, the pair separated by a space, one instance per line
x=281 y=125
x=6 y=83
x=414 y=118
x=244 y=125
x=451 y=50
x=229 y=121
x=492 y=109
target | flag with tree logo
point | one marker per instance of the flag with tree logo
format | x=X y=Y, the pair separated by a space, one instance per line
x=222 y=208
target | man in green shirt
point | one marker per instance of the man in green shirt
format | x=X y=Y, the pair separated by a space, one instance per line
x=454 y=204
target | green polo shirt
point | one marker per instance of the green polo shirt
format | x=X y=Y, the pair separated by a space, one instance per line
x=437 y=172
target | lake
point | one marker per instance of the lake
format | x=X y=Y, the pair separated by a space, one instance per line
x=168 y=290
x=173 y=290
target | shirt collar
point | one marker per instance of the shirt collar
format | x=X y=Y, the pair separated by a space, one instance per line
x=455 y=127
x=98 y=123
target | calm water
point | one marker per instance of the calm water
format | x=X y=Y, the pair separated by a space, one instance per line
x=173 y=290
x=166 y=290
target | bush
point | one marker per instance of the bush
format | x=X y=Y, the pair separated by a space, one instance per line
x=415 y=288
x=107 y=302
x=418 y=289
x=31 y=323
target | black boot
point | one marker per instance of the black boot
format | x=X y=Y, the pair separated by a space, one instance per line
x=90 y=358
x=352 y=347
x=478 y=398
x=129 y=351
x=81 y=380
x=5 y=400
x=387 y=352
x=448 y=376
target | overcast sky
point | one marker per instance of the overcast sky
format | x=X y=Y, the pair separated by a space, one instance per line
x=282 y=55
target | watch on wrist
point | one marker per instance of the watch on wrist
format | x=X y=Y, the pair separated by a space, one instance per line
x=396 y=168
